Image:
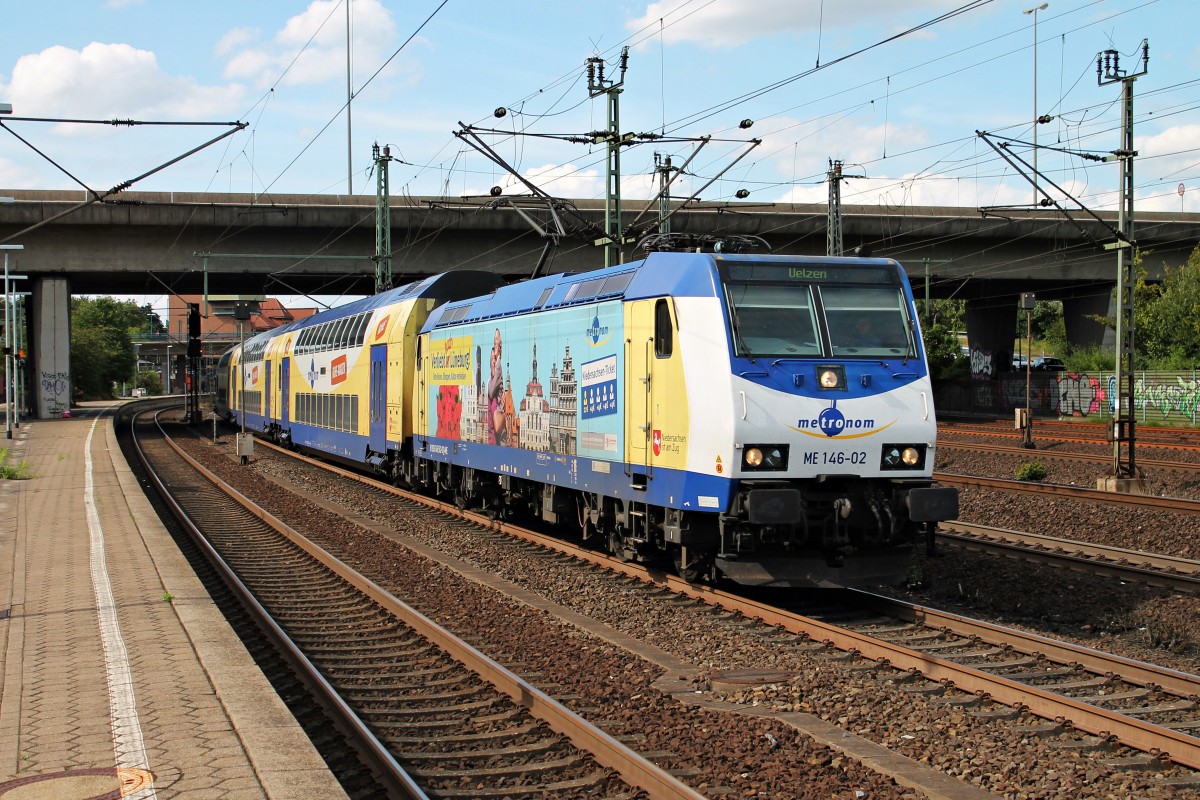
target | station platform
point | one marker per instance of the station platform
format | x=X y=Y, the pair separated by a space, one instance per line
x=119 y=678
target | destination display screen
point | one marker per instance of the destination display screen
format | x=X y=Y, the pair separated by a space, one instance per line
x=808 y=272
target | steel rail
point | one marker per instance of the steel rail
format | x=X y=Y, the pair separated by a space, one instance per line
x=1071 y=492
x=386 y=768
x=1147 y=737
x=1173 y=681
x=1170 y=572
x=1097 y=458
x=1150 y=442
x=1144 y=736
x=607 y=751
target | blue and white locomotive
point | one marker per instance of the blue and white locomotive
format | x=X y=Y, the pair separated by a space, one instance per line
x=768 y=419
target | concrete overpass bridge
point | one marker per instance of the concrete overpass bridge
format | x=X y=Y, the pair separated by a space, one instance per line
x=152 y=243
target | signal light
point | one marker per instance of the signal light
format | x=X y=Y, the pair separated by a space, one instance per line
x=193 y=320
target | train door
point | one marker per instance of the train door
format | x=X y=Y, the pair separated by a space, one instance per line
x=651 y=344
x=285 y=384
x=420 y=396
x=378 y=398
x=266 y=390
x=639 y=360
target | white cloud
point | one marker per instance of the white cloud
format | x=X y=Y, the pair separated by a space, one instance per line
x=17 y=176
x=558 y=180
x=109 y=81
x=318 y=35
x=234 y=39
x=727 y=23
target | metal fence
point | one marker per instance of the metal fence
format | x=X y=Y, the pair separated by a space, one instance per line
x=1167 y=398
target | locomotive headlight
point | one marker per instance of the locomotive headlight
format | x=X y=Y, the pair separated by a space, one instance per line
x=765 y=457
x=830 y=378
x=903 y=456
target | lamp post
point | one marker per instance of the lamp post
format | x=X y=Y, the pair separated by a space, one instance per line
x=1035 y=11
x=1028 y=300
x=167 y=371
x=9 y=367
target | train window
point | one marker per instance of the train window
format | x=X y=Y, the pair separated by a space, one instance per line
x=544 y=297
x=868 y=321
x=360 y=332
x=772 y=319
x=664 y=334
x=339 y=332
x=615 y=284
x=587 y=289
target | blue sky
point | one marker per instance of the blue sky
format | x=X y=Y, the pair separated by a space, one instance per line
x=819 y=78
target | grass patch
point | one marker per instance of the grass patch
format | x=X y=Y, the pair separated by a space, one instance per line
x=10 y=472
x=1031 y=471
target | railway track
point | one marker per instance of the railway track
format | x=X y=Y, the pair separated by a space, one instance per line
x=1090 y=458
x=1092 y=699
x=1152 y=709
x=1181 y=439
x=1095 y=496
x=1134 y=566
x=422 y=707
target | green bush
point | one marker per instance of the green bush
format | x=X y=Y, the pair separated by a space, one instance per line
x=1031 y=471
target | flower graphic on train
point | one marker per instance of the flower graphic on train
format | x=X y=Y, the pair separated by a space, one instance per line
x=449 y=412
x=833 y=424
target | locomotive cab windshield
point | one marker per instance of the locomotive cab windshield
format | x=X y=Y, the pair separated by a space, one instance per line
x=783 y=311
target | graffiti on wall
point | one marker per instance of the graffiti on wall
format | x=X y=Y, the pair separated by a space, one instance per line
x=1172 y=397
x=981 y=364
x=56 y=393
x=1168 y=395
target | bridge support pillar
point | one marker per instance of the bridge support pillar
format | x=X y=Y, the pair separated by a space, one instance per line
x=50 y=377
x=991 y=328
x=1082 y=328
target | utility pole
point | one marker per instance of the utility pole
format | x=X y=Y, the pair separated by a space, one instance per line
x=1034 y=11
x=10 y=366
x=349 y=101
x=1124 y=474
x=664 y=169
x=383 y=220
x=597 y=85
x=833 y=228
x=926 y=316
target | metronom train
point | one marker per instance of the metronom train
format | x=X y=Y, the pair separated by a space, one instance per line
x=758 y=418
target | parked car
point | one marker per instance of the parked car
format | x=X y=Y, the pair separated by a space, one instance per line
x=1019 y=362
x=1049 y=363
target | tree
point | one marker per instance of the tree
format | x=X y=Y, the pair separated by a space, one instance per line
x=1166 y=325
x=941 y=323
x=1167 y=317
x=148 y=380
x=101 y=346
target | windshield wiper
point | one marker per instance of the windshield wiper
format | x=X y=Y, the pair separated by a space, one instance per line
x=911 y=353
x=737 y=334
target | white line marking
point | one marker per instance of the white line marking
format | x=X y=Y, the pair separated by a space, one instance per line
x=128 y=745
